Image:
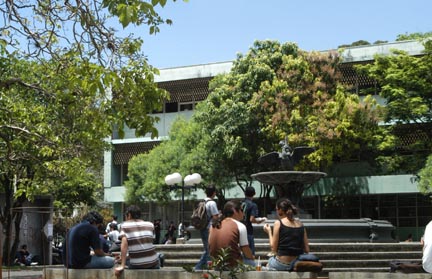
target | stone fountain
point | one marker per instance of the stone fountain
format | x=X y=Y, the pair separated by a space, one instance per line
x=279 y=173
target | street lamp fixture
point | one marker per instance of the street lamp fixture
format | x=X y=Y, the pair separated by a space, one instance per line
x=189 y=182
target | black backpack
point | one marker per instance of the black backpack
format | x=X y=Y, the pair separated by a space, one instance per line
x=199 y=216
x=244 y=207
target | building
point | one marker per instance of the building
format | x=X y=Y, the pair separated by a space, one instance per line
x=393 y=197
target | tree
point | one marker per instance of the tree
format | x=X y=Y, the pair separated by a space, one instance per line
x=66 y=80
x=406 y=84
x=183 y=152
x=356 y=43
x=275 y=91
x=425 y=175
x=413 y=36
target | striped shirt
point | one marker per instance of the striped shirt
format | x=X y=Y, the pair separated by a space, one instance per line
x=139 y=235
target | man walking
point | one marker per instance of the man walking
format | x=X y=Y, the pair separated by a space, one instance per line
x=212 y=214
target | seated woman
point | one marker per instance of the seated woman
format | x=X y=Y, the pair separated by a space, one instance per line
x=288 y=239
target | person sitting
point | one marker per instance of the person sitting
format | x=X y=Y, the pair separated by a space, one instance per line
x=229 y=232
x=23 y=256
x=288 y=239
x=137 y=238
x=113 y=237
x=83 y=246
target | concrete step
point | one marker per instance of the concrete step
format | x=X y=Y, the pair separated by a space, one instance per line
x=339 y=256
x=395 y=255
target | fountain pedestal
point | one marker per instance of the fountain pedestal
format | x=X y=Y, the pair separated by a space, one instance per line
x=291 y=184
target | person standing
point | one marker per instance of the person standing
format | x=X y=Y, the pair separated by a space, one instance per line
x=157 y=229
x=230 y=232
x=83 y=246
x=113 y=221
x=250 y=211
x=171 y=229
x=212 y=215
x=137 y=238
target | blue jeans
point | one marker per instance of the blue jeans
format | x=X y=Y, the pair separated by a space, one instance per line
x=275 y=264
x=251 y=241
x=100 y=262
x=249 y=261
x=157 y=266
x=205 y=257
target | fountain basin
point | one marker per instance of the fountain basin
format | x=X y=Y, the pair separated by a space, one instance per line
x=331 y=231
x=286 y=177
x=341 y=230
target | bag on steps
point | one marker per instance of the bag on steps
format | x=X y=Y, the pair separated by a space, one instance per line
x=308 y=263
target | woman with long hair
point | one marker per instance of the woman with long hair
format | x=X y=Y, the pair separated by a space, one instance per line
x=288 y=239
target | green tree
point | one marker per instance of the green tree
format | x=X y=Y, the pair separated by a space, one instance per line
x=425 y=175
x=406 y=83
x=275 y=91
x=66 y=80
x=413 y=36
x=184 y=152
x=356 y=43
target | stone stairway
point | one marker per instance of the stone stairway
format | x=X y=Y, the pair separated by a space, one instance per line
x=368 y=257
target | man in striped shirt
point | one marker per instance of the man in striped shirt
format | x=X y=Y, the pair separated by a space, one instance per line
x=137 y=238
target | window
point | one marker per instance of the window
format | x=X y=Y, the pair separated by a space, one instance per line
x=186 y=106
x=171 y=107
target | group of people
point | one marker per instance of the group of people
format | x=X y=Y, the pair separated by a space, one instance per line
x=84 y=249
x=232 y=227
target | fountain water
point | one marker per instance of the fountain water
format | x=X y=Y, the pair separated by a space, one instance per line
x=291 y=184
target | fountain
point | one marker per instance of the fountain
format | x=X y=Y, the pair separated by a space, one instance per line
x=279 y=173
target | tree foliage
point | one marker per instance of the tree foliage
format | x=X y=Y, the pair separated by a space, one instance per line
x=406 y=84
x=273 y=92
x=277 y=91
x=68 y=79
x=425 y=175
x=184 y=152
x=413 y=36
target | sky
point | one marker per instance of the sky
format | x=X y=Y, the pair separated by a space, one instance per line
x=208 y=31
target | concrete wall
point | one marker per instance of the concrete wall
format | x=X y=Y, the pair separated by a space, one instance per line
x=59 y=273
x=35 y=222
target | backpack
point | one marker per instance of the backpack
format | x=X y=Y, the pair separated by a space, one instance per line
x=244 y=207
x=199 y=216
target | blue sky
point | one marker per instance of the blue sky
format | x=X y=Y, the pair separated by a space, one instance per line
x=206 y=31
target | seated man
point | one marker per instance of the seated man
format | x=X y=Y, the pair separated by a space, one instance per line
x=83 y=247
x=231 y=233
x=137 y=239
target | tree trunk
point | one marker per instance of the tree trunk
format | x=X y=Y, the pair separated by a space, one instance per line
x=11 y=218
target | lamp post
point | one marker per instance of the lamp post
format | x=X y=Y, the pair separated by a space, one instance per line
x=190 y=181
